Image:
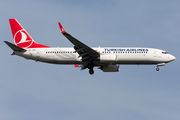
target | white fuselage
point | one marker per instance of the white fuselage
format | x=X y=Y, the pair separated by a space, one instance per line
x=107 y=59
x=113 y=55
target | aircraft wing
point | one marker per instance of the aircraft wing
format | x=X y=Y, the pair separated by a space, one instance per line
x=83 y=50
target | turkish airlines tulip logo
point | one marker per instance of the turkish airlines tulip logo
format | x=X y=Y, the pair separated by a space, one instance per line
x=22 y=39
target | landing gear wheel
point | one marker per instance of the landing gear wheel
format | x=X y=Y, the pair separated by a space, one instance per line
x=90 y=65
x=157 y=69
x=91 y=71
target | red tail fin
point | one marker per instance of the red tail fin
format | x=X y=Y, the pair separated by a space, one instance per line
x=21 y=37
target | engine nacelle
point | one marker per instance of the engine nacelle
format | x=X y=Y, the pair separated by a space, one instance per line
x=108 y=58
x=110 y=68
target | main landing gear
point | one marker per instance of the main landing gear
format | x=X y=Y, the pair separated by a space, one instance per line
x=91 y=71
x=90 y=67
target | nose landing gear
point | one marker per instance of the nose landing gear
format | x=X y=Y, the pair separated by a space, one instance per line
x=157 y=69
x=160 y=64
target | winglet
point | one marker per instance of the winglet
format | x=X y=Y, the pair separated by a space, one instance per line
x=62 y=29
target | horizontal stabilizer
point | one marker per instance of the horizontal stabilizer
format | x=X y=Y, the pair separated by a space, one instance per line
x=15 y=47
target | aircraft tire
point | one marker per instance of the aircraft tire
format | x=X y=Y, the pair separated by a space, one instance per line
x=157 y=69
x=91 y=71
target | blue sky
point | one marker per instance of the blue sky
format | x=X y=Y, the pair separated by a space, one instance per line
x=33 y=90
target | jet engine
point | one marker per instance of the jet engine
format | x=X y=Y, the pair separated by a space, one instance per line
x=110 y=68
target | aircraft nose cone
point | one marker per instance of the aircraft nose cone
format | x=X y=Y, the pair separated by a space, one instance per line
x=172 y=57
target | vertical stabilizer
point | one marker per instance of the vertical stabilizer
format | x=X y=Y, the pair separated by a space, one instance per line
x=21 y=37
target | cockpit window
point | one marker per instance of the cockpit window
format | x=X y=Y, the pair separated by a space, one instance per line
x=165 y=52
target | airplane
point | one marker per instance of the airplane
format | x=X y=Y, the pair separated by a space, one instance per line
x=80 y=55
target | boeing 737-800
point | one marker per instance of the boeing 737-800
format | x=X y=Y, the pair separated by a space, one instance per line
x=107 y=59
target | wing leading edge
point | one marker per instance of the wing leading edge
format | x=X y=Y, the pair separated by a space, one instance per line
x=83 y=50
